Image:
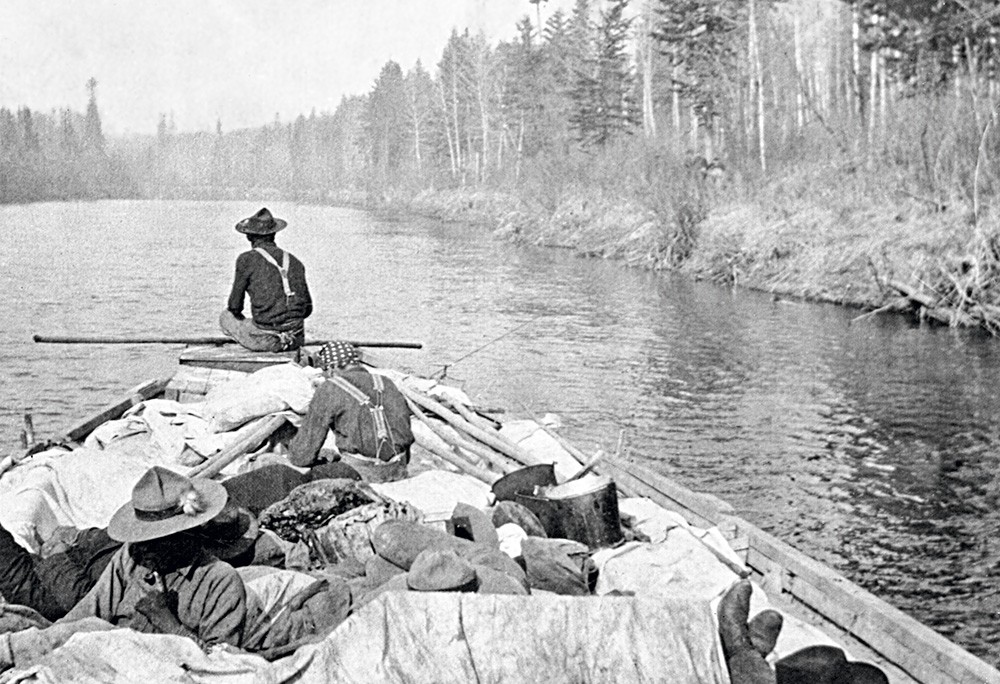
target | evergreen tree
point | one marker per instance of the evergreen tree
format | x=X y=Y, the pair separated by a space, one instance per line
x=69 y=144
x=702 y=42
x=299 y=154
x=29 y=139
x=8 y=131
x=420 y=104
x=387 y=124
x=93 y=137
x=605 y=92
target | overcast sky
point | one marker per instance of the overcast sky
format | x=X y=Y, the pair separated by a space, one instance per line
x=241 y=61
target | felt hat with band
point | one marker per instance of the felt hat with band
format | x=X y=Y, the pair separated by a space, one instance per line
x=164 y=503
x=261 y=223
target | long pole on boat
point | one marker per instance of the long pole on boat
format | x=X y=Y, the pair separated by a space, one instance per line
x=70 y=339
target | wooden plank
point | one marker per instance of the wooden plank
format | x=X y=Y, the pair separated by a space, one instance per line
x=917 y=649
x=235 y=358
x=707 y=510
x=136 y=395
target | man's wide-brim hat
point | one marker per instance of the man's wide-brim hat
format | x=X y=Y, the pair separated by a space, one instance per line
x=261 y=223
x=164 y=503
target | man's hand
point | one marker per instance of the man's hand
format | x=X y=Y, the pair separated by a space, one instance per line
x=158 y=606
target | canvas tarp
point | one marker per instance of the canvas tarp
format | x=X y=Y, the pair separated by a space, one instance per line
x=433 y=637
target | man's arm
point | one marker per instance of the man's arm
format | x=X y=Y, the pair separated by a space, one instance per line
x=67 y=582
x=20 y=649
x=306 y=297
x=305 y=445
x=103 y=599
x=241 y=281
x=225 y=616
x=19 y=581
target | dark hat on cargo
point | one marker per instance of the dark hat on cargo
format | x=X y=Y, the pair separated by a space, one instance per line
x=492 y=581
x=337 y=354
x=164 y=503
x=824 y=664
x=441 y=570
x=231 y=533
x=261 y=223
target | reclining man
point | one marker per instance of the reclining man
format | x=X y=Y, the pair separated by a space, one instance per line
x=71 y=563
x=165 y=580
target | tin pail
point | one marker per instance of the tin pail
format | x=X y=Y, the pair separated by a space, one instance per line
x=585 y=510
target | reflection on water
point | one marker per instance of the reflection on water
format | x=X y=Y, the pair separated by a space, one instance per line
x=871 y=447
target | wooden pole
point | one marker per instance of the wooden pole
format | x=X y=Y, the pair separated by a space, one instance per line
x=215 y=463
x=473 y=417
x=82 y=339
x=454 y=459
x=489 y=438
x=492 y=457
x=571 y=449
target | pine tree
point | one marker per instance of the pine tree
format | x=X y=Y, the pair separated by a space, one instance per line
x=29 y=136
x=69 y=144
x=605 y=93
x=386 y=124
x=93 y=137
x=419 y=88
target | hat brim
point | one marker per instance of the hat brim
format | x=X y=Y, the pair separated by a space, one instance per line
x=126 y=527
x=231 y=549
x=245 y=227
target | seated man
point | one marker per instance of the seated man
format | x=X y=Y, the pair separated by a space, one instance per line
x=367 y=414
x=276 y=282
x=163 y=580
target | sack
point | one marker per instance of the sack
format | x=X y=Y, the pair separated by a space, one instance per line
x=270 y=390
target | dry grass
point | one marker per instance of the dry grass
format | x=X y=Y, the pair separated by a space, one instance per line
x=834 y=230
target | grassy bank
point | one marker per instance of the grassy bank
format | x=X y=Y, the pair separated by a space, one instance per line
x=819 y=233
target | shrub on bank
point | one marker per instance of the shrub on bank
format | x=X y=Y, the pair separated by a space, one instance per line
x=833 y=230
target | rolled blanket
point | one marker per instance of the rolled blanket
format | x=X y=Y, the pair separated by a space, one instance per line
x=312 y=505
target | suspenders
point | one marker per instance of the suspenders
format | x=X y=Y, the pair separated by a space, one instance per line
x=383 y=435
x=282 y=269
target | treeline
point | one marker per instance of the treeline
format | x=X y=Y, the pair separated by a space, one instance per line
x=749 y=86
x=638 y=99
x=61 y=155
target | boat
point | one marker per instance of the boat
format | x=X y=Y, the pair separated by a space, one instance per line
x=808 y=592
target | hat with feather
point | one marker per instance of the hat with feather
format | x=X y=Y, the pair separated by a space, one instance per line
x=164 y=503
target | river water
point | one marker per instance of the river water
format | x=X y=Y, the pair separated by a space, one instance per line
x=872 y=446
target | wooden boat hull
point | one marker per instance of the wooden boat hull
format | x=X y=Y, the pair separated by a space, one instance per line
x=867 y=626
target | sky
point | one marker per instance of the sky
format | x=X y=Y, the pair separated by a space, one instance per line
x=237 y=61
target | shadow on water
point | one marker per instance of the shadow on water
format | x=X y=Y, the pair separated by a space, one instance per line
x=871 y=446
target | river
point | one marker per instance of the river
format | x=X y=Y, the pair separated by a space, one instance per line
x=870 y=445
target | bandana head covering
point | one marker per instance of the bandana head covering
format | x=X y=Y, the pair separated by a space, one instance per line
x=337 y=354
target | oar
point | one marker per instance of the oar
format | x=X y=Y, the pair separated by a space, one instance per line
x=58 y=339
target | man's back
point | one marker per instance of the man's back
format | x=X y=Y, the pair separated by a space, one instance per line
x=334 y=408
x=270 y=308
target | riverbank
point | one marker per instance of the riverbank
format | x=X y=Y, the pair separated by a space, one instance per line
x=822 y=234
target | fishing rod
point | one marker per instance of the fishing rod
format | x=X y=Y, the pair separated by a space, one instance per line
x=444 y=369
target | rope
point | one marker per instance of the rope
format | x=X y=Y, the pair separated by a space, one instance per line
x=440 y=375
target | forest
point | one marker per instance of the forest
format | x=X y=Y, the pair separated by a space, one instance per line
x=843 y=150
